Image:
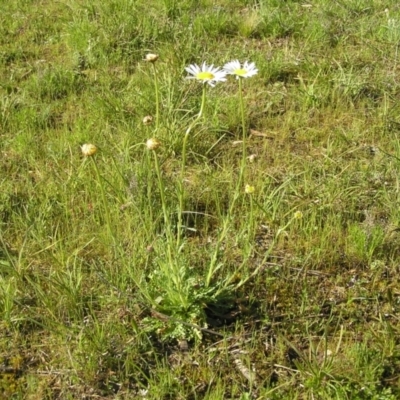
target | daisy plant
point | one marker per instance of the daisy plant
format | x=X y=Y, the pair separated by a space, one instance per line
x=208 y=75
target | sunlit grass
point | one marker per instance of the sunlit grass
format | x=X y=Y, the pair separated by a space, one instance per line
x=237 y=240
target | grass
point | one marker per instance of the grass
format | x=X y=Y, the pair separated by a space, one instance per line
x=137 y=273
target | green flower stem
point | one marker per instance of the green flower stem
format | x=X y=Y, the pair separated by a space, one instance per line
x=243 y=160
x=260 y=206
x=243 y=163
x=103 y=198
x=162 y=194
x=251 y=217
x=171 y=266
x=167 y=221
x=149 y=188
x=203 y=102
x=157 y=97
x=244 y=127
x=213 y=267
x=183 y=166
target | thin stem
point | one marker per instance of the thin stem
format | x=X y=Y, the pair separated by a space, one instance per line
x=251 y=218
x=157 y=97
x=162 y=194
x=149 y=189
x=243 y=163
x=213 y=267
x=103 y=198
x=167 y=221
x=203 y=102
x=242 y=108
x=243 y=160
x=213 y=263
x=183 y=166
x=170 y=266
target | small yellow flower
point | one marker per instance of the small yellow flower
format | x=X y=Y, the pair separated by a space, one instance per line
x=298 y=215
x=151 y=57
x=153 y=144
x=249 y=189
x=88 y=149
x=147 y=120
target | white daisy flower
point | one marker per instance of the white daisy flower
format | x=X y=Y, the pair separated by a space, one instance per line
x=206 y=73
x=241 y=71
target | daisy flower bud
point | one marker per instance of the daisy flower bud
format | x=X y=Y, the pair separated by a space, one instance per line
x=151 y=57
x=153 y=144
x=88 y=149
x=147 y=120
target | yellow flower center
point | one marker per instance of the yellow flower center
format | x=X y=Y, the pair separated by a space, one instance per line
x=205 y=76
x=240 y=72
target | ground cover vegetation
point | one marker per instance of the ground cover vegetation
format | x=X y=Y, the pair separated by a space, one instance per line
x=164 y=238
